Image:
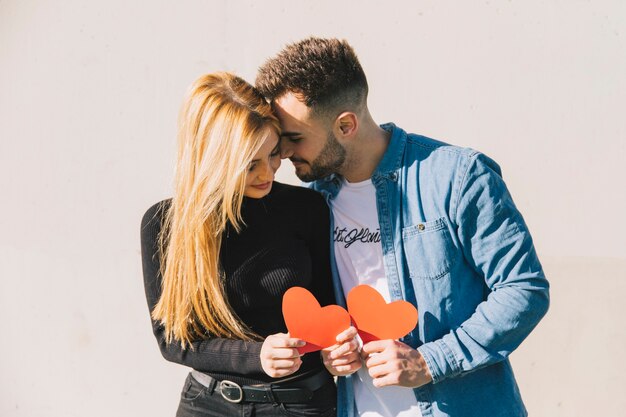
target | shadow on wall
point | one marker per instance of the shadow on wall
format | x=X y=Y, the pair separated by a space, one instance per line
x=572 y=364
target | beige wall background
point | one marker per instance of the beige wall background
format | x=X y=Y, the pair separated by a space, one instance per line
x=89 y=93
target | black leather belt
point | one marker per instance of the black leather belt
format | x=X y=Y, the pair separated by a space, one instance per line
x=288 y=391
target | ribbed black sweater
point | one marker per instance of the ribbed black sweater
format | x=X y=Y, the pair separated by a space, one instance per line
x=285 y=243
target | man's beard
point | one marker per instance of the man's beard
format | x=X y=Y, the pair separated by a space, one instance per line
x=331 y=158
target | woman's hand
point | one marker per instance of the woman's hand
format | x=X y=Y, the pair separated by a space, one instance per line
x=279 y=356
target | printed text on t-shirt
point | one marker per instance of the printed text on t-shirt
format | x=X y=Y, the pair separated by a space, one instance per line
x=363 y=235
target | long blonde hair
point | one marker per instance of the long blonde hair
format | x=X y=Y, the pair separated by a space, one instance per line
x=222 y=124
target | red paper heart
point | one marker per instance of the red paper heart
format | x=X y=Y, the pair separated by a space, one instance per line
x=377 y=320
x=307 y=320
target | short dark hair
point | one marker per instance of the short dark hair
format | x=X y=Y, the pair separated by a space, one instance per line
x=324 y=73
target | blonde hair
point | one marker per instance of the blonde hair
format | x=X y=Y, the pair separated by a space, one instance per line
x=223 y=123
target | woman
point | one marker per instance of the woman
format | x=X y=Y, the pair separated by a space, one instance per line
x=219 y=255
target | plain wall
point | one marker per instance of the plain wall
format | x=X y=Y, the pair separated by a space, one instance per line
x=89 y=94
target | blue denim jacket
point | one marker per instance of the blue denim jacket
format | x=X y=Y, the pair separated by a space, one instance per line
x=455 y=245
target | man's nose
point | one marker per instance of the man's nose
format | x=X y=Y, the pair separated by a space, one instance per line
x=286 y=150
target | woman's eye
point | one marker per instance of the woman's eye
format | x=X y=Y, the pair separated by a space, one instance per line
x=251 y=167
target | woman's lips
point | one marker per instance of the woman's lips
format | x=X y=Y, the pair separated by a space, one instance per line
x=263 y=186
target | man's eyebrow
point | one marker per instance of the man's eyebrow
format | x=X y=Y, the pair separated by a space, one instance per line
x=290 y=134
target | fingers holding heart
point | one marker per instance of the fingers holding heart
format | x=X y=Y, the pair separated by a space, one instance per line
x=390 y=362
x=341 y=365
x=279 y=355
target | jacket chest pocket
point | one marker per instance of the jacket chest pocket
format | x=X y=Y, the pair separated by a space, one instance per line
x=428 y=249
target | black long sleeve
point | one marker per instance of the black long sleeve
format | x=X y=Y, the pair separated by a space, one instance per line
x=284 y=243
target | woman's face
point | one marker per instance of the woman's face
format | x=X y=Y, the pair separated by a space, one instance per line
x=262 y=168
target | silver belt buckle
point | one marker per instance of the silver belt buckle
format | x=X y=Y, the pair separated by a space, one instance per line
x=230 y=384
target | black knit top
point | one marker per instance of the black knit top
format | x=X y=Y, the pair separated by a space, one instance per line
x=284 y=243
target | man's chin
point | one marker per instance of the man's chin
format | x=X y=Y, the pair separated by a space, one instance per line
x=305 y=176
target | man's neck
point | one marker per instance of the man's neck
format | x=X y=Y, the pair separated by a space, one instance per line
x=367 y=153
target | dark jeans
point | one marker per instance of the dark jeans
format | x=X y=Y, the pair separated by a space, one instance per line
x=197 y=401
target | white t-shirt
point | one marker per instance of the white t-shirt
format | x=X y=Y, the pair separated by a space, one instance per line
x=359 y=257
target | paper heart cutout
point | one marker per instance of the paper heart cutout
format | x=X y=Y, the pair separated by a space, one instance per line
x=307 y=320
x=377 y=320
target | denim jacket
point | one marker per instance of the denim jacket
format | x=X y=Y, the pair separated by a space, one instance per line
x=455 y=246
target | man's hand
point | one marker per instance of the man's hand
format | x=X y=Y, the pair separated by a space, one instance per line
x=279 y=356
x=343 y=358
x=393 y=363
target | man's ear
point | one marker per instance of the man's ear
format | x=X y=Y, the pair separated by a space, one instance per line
x=346 y=124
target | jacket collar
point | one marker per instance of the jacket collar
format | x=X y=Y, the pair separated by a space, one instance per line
x=390 y=163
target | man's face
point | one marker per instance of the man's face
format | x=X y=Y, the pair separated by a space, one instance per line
x=306 y=141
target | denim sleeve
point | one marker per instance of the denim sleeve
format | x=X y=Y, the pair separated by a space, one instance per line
x=498 y=246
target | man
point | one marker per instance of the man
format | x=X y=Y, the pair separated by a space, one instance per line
x=418 y=220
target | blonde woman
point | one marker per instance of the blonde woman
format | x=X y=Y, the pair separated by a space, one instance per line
x=219 y=255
